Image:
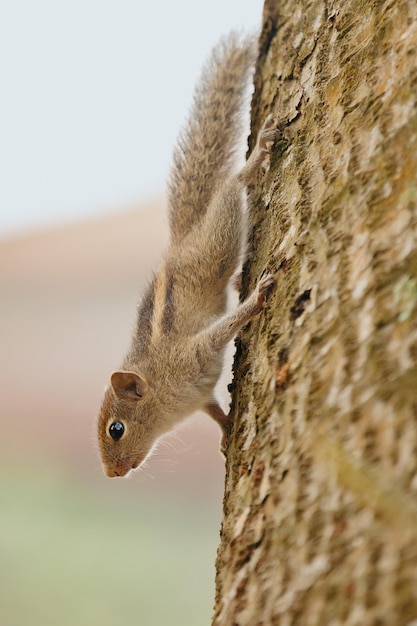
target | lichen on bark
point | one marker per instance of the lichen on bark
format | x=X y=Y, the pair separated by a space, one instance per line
x=320 y=508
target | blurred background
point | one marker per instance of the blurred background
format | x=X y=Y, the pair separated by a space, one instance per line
x=93 y=96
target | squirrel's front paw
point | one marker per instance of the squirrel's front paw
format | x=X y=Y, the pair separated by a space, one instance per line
x=264 y=287
x=268 y=134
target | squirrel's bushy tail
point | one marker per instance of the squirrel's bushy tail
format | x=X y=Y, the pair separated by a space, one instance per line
x=206 y=146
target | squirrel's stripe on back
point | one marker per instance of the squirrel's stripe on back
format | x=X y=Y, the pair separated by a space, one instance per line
x=168 y=316
x=163 y=317
x=144 y=319
x=159 y=304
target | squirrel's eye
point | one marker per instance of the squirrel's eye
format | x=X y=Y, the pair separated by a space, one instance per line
x=116 y=430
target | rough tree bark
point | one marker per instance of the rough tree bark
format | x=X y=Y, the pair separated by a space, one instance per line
x=320 y=507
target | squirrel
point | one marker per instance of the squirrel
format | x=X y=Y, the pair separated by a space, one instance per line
x=182 y=329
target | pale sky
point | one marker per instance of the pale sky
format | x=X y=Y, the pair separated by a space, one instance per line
x=93 y=94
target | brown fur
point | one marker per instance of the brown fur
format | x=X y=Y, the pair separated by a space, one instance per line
x=177 y=350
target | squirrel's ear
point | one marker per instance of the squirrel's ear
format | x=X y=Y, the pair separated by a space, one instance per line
x=128 y=383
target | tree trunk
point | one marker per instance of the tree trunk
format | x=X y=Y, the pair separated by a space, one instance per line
x=320 y=507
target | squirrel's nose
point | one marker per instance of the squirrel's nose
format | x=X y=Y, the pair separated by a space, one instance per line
x=120 y=471
x=112 y=473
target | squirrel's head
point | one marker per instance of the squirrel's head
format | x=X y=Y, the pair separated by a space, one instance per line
x=124 y=427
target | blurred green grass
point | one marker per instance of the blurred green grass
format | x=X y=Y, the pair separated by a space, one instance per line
x=70 y=554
